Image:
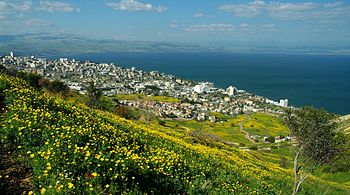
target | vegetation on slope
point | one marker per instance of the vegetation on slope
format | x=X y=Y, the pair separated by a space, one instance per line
x=70 y=147
x=147 y=98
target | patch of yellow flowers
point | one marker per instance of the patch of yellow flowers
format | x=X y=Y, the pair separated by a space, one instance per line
x=72 y=148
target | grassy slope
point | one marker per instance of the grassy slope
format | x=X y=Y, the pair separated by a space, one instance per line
x=73 y=148
x=345 y=123
x=265 y=125
x=227 y=131
x=148 y=98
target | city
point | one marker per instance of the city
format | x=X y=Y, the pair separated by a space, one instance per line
x=198 y=99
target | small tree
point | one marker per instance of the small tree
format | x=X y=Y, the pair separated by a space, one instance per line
x=57 y=86
x=317 y=140
x=94 y=94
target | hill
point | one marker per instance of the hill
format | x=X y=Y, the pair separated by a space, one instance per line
x=58 y=44
x=70 y=148
x=345 y=123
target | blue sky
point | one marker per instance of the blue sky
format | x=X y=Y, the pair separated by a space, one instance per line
x=183 y=20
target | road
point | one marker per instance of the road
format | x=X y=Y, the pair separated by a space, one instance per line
x=246 y=133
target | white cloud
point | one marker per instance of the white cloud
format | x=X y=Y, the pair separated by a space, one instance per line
x=174 y=25
x=36 y=22
x=21 y=6
x=211 y=28
x=57 y=6
x=288 y=11
x=133 y=5
x=239 y=28
x=268 y=25
x=14 y=7
x=200 y=15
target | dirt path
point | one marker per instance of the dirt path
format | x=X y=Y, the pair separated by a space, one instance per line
x=15 y=178
x=246 y=133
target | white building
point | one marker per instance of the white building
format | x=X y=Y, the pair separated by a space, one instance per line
x=284 y=103
x=11 y=54
x=203 y=87
x=231 y=91
x=62 y=60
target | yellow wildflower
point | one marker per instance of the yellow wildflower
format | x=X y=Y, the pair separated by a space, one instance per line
x=43 y=190
x=70 y=185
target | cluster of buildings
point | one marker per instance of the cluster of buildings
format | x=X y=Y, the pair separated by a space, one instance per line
x=282 y=102
x=198 y=100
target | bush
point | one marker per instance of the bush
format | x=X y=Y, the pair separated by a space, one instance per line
x=254 y=147
x=161 y=122
x=122 y=111
x=284 y=162
x=57 y=86
x=33 y=80
x=270 y=139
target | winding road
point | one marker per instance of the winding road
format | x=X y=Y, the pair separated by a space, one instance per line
x=242 y=130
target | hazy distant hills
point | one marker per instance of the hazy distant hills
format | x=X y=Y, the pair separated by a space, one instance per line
x=56 y=44
x=51 y=44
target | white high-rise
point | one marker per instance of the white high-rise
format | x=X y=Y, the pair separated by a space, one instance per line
x=203 y=87
x=231 y=91
x=11 y=54
x=284 y=103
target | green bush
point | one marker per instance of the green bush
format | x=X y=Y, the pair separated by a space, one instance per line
x=161 y=122
x=270 y=139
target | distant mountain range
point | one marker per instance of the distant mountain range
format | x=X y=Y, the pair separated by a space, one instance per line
x=51 y=44
x=48 y=44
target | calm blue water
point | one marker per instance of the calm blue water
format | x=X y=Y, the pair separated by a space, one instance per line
x=322 y=81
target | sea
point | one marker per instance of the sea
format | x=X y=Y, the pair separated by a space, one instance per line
x=303 y=79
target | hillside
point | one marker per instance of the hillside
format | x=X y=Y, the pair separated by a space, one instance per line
x=345 y=125
x=70 y=148
x=60 y=44
x=52 y=44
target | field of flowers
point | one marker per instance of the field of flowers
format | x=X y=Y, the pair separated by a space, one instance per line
x=71 y=148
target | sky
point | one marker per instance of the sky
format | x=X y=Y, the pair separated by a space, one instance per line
x=322 y=21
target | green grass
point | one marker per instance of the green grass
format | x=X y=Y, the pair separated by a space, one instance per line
x=148 y=98
x=224 y=131
x=345 y=124
x=228 y=131
x=265 y=125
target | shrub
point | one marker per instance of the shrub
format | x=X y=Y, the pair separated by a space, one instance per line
x=57 y=86
x=161 y=122
x=270 y=139
x=254 y=147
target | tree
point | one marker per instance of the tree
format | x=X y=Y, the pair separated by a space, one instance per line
x=317 y=140
x=94 y=94
x=57 y=86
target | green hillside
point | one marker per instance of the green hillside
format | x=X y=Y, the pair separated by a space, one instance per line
x=345 y=123
x=68 y=148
